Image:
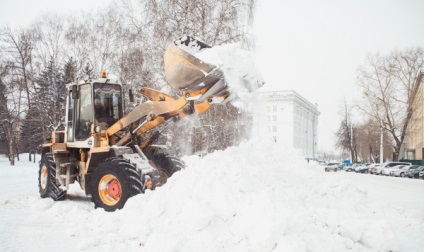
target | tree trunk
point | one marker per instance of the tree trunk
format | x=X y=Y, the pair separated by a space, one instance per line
x=16 y=146
x=396 y=153
x=10 y=146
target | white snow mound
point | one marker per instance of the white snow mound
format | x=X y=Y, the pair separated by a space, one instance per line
x=258 y=196
x=254 y=197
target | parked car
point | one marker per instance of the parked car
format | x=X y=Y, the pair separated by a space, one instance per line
x=371 y=170
x=357 y=167
x=421 y=175
x=342 y=166
x=331 y=167
x=414 y=173
x=379 y=169
x=361 y=168
x=351 y=167
x=388 y=171
x=347 y=167
x=402 y=172
x=367 y=168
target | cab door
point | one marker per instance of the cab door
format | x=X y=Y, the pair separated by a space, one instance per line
x=70 y=118
x=83 y=113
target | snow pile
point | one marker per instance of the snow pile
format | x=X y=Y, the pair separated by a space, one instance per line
x=255 y=197
x=237 y=64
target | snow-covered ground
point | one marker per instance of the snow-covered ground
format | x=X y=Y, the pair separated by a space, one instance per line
x=254 y=197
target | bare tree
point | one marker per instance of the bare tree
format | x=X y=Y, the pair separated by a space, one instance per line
x=49 y=39
x=10 y=99
x=17 y=51
x=215 y=22
x=78 y=48
x=4 y=113
x=347 y=133
x=18 y=46
x=369 y=142
x=389 y=85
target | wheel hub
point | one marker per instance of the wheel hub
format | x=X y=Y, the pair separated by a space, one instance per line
x=114 y=189
x=43 y=177
x=110 y=190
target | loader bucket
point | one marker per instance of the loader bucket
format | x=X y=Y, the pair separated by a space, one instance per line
x=185 y=72
x=182 y=69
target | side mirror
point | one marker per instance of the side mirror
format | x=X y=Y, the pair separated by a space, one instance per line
x=131 y=95
x=75 y=92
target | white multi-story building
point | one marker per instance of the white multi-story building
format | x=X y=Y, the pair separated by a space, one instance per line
x=287 y=117
x=414 y=142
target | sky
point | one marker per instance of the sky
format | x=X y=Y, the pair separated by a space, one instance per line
x=311 y=47
x=22 y=12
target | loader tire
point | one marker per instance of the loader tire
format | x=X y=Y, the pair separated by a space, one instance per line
x=167 y=162
x=113 y=182
x=47 y=182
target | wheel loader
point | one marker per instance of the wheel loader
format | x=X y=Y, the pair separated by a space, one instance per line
x=113 y=156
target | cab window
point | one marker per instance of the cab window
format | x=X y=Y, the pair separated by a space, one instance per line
x=70 y=124
x=84 y=113
x=107 y=103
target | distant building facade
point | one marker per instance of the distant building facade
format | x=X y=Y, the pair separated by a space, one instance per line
x=287 y=117
x=414 y=144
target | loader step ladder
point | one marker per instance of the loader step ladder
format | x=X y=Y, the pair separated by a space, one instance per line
x=68 y=175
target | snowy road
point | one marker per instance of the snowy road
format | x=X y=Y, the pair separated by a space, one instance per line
x=21 y=227
x=400 y=192
x=261 y=204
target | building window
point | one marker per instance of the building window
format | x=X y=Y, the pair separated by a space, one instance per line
x=274 y=128
x=274 y=118
x=274 y=108
x=267 y=108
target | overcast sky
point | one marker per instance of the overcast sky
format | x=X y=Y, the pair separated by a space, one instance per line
x=312 y=47
x=23 y=12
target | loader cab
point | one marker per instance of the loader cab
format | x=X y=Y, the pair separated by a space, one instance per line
x=92 y=106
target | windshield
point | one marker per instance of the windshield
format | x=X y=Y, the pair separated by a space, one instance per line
x=107 y=103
